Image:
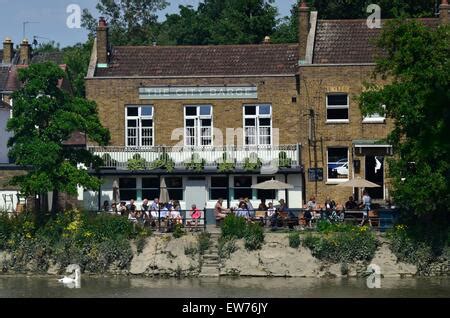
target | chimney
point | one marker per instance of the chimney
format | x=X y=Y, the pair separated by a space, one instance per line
x=25 y=52
x=303 y=31
x=443 y=12
x=267 y=40
x=8 y=51
x=102 y=43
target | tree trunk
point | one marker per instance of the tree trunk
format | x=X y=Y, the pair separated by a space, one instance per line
x=55 y=203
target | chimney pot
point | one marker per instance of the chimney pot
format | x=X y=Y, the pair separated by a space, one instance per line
x=8 y=51
x=25 y=52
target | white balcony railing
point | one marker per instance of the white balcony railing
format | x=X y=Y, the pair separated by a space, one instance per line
x=118 y=157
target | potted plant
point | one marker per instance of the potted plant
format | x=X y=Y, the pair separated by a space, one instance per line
x=164 y=162
x=252 y=163
x=136 y=163
x=225 y=165
x=196 y=163
x=283 y=160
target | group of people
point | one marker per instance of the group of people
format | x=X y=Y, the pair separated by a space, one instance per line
x=335 y=212
x=151 y=214
x=273 y=215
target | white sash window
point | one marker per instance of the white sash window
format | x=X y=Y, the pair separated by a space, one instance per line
x=139 y=126
x=198 y=126
x=257 y=125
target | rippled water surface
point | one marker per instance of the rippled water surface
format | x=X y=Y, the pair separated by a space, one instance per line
x=125 y=287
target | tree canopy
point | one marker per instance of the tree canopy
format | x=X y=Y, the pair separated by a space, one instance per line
x=417 y=63
x=222 y=22
x=44 y=116
x=132 y=22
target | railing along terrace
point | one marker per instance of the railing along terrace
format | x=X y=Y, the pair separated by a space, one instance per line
x=118 y=157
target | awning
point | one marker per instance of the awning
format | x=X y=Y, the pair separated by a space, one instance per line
x=372 y=147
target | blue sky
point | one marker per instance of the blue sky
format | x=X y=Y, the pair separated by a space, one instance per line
x=51 y=17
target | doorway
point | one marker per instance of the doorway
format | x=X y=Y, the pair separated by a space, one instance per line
x=375 y=174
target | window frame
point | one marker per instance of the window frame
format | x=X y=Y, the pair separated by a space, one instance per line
x=247 y=188
x=139 y=128
x=212 y=188
x=337 y=180
x=135 y=189
x=177 y=189
x=347 y=107
x=257 y=126
x=198 y=127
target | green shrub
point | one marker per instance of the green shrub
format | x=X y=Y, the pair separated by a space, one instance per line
x=325 y=226
x=358 y=245
x=284 y=161
x=164 y=162
x=254 y=237
x=227 y=247
x=294 y=239
x=196 y=163
x=204 y=242
x=178 y=231
x=136 y=163
x=252 y=163
x=233 y=226
x=190 y=250
x=225 y=165
x=409 y=250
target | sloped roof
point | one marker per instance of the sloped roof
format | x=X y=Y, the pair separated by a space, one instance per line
x=220 y=60
x=55 y=57
x=4 y=72
x=349 y=41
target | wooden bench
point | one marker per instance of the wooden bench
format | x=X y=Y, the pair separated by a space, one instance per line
x=189 y=222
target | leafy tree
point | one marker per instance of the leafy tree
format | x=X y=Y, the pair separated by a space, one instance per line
x=77 y=58
x=417 y=99
x=132 y=22
x=44 y=116
x=223 y=22
x=286 y=31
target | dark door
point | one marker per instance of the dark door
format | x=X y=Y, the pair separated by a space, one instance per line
x=375 y=174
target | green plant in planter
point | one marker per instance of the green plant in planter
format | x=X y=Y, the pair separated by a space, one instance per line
x=252 y=163
x=108 y=161
x=283 y=160
x=164 y=162
x=225 y=165
x=196 y=163
x=136 y=163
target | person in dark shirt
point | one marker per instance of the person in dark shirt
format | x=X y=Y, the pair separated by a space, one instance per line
x=351 y=204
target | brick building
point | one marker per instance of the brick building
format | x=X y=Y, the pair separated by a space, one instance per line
x=292 y=106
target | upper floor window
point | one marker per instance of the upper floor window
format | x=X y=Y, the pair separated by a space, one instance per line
x=139 y=126
x=198 y=125
x=257 y=125
x=375 y=118
x=337 y=108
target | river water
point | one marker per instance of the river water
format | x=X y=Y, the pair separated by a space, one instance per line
x=126 y=287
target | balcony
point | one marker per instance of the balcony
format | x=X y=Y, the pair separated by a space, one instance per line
x=286 y=156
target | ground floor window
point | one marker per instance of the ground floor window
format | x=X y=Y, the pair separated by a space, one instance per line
x=128 y=189
x=265 y=194
x=218 y=188
x=150 y=188
x=338 y=164
x=243 y=187
x=175 y=188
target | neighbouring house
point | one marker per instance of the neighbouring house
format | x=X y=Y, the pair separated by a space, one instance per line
x=290 y=107
x=11 y=61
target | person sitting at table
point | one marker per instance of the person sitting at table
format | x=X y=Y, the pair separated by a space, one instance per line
x=113 y=208
x=351 y=204
x=242 y=211
x=311 y=205
x=262 y=206
x=131 y=207
x=196 y=214
x=122 y=210
x=308 y=217
x=330 y=205
x=106 y=207
x=220 y=212
x=250 y=208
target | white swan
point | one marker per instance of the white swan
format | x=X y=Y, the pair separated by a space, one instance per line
x=72 y=279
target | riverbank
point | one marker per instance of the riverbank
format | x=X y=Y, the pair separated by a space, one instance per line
x=163 y=255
